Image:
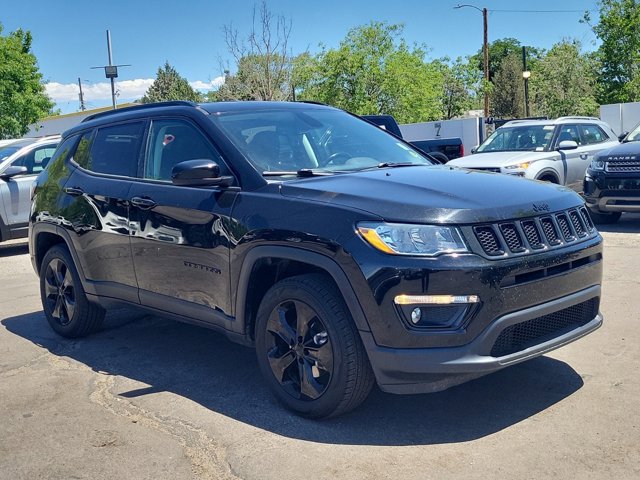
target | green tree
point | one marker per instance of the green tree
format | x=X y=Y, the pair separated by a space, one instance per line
x=374 y=71
x=23 y=100
x=461 y=87
x=169 y=85
x=564 y=82
x=507 y=97
x=619 y=52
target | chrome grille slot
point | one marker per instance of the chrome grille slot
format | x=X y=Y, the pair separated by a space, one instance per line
x=531 y=232
x=488 y=240
x=578 y=226
x=563 y=223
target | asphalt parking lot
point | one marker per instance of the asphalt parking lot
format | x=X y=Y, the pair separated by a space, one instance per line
x=147 y=398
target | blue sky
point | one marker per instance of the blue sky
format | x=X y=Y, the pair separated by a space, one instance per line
x=70 y=35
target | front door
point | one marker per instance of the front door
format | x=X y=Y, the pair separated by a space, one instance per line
x=179 y=235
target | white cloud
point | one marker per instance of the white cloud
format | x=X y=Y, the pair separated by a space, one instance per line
x=211 y=85
x=126 y=89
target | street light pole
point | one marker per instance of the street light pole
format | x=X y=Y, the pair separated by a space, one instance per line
x=485 y=52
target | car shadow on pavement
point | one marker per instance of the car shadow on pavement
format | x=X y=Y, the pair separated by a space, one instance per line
x=13 y=249
x=204 y=367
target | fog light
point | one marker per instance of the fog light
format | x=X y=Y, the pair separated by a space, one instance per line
x=416 y=316
x=435 y=299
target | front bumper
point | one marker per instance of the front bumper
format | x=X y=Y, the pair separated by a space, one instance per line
x=606 y=192
x=406 y=371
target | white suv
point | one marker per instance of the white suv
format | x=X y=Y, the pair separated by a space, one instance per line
x=557 y=151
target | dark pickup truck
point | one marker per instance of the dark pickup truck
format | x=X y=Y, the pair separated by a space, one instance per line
x=442 y=149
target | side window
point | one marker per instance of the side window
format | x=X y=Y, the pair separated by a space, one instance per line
x=569 y=132
x=41 y=157
x=592 y=134
x=114 y=150
x=81 y=155
x=172 y=142
x=62 y=151
x=34 y=158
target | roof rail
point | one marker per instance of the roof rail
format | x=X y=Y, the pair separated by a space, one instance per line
x=577 y=117
x=144 y=106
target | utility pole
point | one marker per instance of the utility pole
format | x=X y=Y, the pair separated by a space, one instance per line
x=82 y=106
x=111 y=70
x=485 y=47
x=525 y=75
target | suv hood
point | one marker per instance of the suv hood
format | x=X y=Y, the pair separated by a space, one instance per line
x=499 y=159
x=624 y=150
x=434 y=194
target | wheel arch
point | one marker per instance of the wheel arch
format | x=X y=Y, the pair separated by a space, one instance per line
x=548 y=173
x=273 y=263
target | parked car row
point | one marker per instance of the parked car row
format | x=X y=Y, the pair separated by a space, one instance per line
x=582 y=153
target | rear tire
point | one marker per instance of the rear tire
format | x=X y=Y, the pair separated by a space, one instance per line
x=603 y=218
x=64 y=301
x=309 y=350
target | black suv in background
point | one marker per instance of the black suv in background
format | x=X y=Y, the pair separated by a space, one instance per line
x=612 y=182
x=344 y=255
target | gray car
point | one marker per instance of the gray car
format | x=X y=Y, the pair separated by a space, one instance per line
x=20 y=162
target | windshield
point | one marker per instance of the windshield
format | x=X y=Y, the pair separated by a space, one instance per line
x=519 y=138
x=6 y=152
x=634 y=135
x=324 y=140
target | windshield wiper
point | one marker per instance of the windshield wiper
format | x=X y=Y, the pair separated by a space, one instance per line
x=302 y=173
x=396 y=164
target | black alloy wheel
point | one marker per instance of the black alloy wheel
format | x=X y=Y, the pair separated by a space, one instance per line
x=299 y=350
x=309 y=350
x=60 y=295
x=64 y=301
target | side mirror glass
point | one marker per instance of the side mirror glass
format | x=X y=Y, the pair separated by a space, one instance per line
x=567 y=145
x=199 y=173
x=13 y=171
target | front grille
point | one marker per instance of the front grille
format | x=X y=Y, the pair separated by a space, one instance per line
x=486 y=169
x=488 y=240
x=622 y=167
x=622 y=184
x=521 y=336
x=520 y=237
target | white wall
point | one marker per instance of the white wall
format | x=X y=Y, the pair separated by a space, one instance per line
x=621 y=116
x=470 y=130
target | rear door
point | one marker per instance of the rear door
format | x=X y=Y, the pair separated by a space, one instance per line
x=179 y=234
x=95 y=206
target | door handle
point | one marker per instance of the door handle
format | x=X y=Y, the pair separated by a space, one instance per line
x=73 y=191
x=583 y=156
x=143 y=203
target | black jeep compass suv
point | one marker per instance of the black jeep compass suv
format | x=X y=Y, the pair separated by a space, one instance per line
x=344 y=255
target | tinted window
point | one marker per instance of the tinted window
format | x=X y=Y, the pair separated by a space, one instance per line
x=115 y=150
x=172 y=142
x=35 y=158
x=592 y=134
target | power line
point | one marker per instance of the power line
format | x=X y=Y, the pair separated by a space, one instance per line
x=541 y=11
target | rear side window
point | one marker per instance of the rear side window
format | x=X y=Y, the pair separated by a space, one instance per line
x=592 y=134
x=114 y=150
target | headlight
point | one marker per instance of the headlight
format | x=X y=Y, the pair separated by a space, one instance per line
x=401 y=239
x=523 y=166
x=597 y=164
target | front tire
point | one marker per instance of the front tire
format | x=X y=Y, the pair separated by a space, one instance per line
x=64 y=301
x=309 y=350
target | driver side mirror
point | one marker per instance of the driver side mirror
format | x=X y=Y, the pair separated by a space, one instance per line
x=622 y=136
x=199 y=173
x=567 y=145
x=13 y=171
